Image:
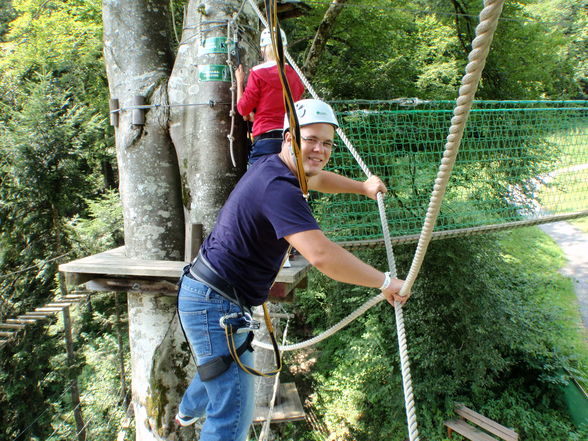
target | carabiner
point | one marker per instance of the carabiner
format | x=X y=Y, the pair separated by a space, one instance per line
x=239 y=322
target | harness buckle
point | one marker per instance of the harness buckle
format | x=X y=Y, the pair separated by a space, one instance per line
x=239 y=322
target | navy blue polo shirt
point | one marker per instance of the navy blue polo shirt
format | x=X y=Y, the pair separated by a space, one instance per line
x=247 y=244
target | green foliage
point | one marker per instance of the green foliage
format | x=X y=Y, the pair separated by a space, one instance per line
x=52 y=142
x=44 y=181
x=480 y=330
x=60 y=37
x=384 y=50
x=7 y=14
x=56 y=152
x=28 y=380
x=103 y=229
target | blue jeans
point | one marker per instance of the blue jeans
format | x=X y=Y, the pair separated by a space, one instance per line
x=267 y=146
x=227 y=400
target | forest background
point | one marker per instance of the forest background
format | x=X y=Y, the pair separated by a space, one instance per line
x=59 y=201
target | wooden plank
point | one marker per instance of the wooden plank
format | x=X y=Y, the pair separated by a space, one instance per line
x=12 y=326
x=50 y=309
x=298 y=270
x=470 y=432
x=288 y=409
x=35 y=315
x=76 y=297
x=57 y=304
x=114 y=263
x=21 y=321
x=76 y=279
x=6 y=333
x=487 y=424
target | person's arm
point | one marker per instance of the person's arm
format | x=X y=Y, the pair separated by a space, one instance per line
x=339 y=264
x=329 y=182
x=240 y=80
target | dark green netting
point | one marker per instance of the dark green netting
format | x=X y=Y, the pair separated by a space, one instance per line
x=518 y=160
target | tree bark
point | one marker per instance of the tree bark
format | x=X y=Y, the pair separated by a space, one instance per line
x=201 y=122
x=138 y=61
x=321 y=37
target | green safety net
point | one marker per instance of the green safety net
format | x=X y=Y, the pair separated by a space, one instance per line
x=517 y=160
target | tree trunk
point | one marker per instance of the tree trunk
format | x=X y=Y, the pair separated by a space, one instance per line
x=321 y=37
x=138 y=62
x=201 y=123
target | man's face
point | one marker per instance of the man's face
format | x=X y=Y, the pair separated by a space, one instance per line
x=315 y=146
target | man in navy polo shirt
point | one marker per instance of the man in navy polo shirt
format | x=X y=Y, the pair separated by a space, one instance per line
x=238 y=262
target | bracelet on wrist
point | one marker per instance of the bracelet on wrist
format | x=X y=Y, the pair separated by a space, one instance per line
x=387 y=281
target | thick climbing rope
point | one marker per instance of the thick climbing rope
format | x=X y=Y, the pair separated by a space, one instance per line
x=477 y=60
x=469 y=84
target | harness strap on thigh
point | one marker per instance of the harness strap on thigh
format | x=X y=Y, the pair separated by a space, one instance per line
x=219 y=365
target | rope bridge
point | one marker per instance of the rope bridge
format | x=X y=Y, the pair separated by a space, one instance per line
x=520 y=163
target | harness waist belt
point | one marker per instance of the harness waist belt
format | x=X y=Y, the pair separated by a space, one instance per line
x=200 y=270
x=274 y=134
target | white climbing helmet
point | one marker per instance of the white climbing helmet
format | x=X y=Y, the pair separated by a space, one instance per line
x=266 y=38
x=312 y=112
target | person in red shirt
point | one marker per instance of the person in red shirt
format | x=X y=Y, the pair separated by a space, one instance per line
x=262 y=101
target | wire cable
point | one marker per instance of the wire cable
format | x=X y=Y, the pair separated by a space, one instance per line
x=37 y=265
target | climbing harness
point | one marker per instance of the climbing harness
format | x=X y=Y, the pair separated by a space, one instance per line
x=233 y=350
x=219 y=365
x=233 y=324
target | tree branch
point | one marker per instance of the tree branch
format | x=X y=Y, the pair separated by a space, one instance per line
x=321 y=37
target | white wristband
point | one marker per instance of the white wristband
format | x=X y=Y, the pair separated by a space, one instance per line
x=387 y=281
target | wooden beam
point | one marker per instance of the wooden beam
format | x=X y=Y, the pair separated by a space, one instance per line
x=49 y=309
x=35 y=315
x=193 y=241
x=132 y=285
x=16 y=326
x=114 y=264
x=76 y=279
x=58 y=304
x=288 y=409
x=21 y=321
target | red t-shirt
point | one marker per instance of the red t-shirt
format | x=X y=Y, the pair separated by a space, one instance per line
x=263 y=95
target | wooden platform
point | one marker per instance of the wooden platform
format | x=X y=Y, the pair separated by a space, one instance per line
x=289 y=407
x=113 y=271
